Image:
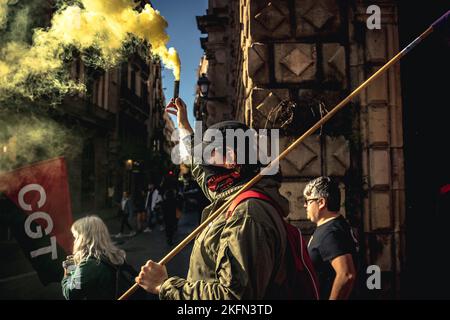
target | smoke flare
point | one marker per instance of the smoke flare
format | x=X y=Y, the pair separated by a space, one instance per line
x=33 y=70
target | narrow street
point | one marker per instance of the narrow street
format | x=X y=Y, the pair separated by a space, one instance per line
x=153 y=245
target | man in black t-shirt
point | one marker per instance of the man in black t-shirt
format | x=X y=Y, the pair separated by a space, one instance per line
x=332 y=247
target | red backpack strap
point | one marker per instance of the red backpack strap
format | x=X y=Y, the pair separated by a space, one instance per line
x=304 y=269
x=247 y=195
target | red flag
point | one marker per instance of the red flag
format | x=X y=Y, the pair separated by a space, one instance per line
x=444 y=189
x=41 y=192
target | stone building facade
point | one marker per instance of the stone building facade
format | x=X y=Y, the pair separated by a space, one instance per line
x=122 y=119
x=285 y=64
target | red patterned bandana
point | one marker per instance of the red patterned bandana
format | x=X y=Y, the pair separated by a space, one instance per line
x=220 y=182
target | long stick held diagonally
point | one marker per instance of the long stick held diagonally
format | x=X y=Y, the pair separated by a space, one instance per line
x=438 y=23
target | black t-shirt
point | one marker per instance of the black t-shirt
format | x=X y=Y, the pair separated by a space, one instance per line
x=330 y=240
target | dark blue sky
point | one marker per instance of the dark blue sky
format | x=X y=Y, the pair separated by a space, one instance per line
x=185 y=37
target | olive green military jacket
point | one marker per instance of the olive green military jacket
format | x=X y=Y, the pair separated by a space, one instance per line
x=241 y=257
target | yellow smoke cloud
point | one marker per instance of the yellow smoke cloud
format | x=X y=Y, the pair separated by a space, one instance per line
x=3 y=13
x=103 y=24
x=28 y=138
x=108 y=23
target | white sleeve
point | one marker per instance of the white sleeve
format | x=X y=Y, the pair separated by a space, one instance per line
x=155 y=198
x=153 y=202
x=185 y=146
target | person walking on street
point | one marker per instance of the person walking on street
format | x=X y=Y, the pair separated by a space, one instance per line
x=332 y=247
x=127 y=214
x=169 y=207
x=139 y=208
x=152 y=202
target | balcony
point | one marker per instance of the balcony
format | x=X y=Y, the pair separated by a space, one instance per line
x=79 y=108
x=211 y=22
x=134 y=102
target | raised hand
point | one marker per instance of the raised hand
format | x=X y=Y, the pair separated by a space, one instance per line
x=178 y=108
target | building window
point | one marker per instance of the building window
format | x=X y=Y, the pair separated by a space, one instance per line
x=77 y=69
x=133 y=80
x=106 y=90
x=138 y=84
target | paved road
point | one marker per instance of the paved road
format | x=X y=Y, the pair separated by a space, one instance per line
x=153 y=245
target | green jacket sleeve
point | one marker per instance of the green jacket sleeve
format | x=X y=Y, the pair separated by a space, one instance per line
x=245 y=260
x=77 y=283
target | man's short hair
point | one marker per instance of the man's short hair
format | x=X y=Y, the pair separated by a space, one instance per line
x=327 y=188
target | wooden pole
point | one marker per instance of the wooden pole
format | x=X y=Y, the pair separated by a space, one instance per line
x=276 y=161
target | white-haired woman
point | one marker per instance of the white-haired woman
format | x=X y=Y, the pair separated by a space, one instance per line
x=93 y=270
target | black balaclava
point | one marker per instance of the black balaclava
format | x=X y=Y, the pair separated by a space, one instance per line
x=219 y=179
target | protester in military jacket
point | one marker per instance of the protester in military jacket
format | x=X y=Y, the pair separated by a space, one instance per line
x=239 y=257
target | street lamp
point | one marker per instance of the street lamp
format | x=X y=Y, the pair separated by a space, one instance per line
x=129 y=164
x=129 y=168
x=203 y=83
